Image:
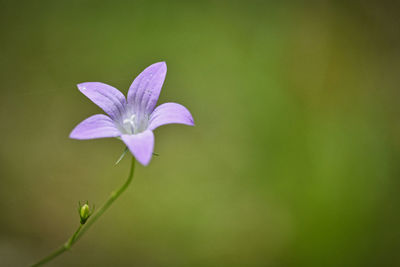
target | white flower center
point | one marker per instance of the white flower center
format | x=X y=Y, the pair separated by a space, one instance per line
x=133 y=124
x=130 y=120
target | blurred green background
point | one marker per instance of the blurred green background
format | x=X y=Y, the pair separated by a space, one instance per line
x=294 y=160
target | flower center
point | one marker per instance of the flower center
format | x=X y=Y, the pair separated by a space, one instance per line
x=129 y=124
x=133 y=124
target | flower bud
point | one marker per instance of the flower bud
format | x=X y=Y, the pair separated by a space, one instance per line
x=84 y=213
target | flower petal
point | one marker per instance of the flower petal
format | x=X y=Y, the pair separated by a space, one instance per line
x=105 y=96
x=145 y=89
x=170 y=113
x=96 y=126
x=141 y=145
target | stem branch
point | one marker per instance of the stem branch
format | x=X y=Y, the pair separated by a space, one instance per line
x=84 y=227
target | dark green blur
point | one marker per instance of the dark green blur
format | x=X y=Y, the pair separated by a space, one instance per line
x=294 y=160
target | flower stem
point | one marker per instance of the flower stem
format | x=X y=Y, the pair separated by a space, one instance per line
x=84 y=227
x=114 y=195
x=67 y=245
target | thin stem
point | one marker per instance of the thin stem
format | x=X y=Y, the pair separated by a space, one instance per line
x=73 y=238
x=114 y=195
x=84 y=227
x=67 y=245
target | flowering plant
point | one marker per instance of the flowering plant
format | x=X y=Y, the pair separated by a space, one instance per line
x=131 y=119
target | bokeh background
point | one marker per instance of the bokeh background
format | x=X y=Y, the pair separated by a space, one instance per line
x=294 y=160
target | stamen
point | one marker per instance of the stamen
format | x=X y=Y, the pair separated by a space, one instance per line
x=131 y=122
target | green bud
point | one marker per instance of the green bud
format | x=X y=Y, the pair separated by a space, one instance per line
x=84 y=213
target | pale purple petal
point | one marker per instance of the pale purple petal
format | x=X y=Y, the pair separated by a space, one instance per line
x=170 y=113
x=96 y=126
x=105 y=96
x=141 y=145
x=145 y=89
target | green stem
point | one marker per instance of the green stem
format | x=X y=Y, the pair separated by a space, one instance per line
x=114 y=195
x=67 y=245
x=84 y=227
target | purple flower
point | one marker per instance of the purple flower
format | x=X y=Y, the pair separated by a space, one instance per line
x=132 y=119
